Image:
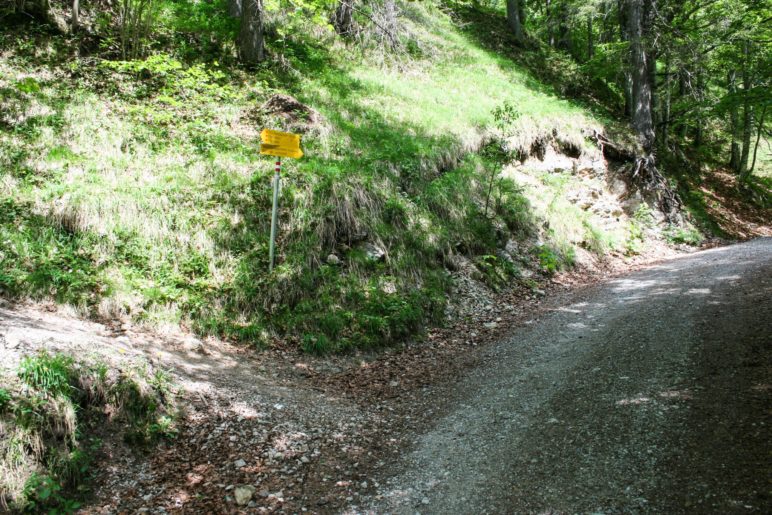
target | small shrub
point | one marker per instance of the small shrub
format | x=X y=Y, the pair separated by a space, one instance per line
x=51 y=374
x=44 y=493
x=683 y=235
x=552 y=259
x=5 y=399
x=45 y=451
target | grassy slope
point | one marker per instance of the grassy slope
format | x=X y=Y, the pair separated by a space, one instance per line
x=140 y=193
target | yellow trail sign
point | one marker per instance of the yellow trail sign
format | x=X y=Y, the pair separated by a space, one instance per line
x=281 y=144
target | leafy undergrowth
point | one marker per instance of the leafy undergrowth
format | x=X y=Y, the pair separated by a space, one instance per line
x=135 y=189
x=52 y=415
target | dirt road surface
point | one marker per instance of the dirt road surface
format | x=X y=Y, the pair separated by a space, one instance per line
x=648 y=393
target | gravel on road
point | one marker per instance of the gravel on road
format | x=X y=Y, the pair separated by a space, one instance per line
x=648 y=393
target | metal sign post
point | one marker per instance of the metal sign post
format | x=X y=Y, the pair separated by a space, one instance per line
x=275 y=143
x=274 y=212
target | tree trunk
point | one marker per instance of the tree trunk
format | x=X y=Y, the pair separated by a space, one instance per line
x=513 y=19
x=758 y=140
x=666 y=104
x=747 y=114
x=627 y=78
x=699 y=96
x=390 y=21
x=74 y=22
x=550 y=23
x=590 y=43
x=564 y=31
x=251 y=37
x=734 y=123
x=234 y=8
x=642 y=65
x=607 y=32
x=343 y=18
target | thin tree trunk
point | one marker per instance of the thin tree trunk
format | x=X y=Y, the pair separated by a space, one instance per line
x=550 y=23
x=607 y=34
x=564 y=31
x=734 y=122
x=747 y=114
x=699 y=95
x=666 y=104
x=758 y=139
x=590 y=44
x=74 y=22
x=683 y=126
x=513 y=19
x=627 y=79
x=251 y=37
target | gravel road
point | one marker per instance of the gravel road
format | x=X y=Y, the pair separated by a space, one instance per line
x=649 y=393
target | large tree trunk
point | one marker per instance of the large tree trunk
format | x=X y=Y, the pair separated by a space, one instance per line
x=251 y=37
x=642 y=64
x=343 y=18
x=514 y=10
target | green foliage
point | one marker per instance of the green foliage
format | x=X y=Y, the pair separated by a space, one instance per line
x=46 y=451
x=496 y=271
x=40 y=259
x=552 y=259
x=686 y=235
x=172 y=82
x=5 y=399
x=44 y=493
x=642 y=220
x=50 y=374
x=506 y=115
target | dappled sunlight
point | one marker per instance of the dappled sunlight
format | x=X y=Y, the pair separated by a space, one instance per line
x=634 y=401
x=666 y=395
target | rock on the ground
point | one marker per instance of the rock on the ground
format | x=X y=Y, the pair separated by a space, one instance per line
x=243 y=494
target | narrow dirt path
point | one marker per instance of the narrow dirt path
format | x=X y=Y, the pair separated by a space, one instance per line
x=650 y=393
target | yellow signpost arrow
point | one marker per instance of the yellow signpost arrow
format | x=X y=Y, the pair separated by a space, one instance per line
x=279 y=144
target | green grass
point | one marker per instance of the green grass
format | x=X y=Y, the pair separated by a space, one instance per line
x=136 y=190
x=50 y=416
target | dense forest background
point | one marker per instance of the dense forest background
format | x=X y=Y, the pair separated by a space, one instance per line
x=132 y=188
